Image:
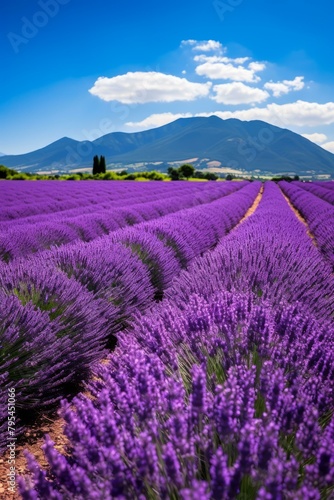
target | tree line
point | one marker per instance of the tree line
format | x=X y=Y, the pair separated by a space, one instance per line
x=187 y=171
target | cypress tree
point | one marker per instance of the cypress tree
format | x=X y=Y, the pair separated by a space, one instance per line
x=96 y=165
x=102 y=165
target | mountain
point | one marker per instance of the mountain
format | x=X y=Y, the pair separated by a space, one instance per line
x=253 y=146
x=2 y=154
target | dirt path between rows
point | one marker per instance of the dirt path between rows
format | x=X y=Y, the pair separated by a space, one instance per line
x=252 y=209
x=300 y=218
x=33 y=442
x=33 y=438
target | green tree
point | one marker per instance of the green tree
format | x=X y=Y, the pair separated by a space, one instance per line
x=210 y=176
x=103 y=167
x=199 y=174
x=173 y=173
x=187 y=171
x=96 y=165
x=6 y=172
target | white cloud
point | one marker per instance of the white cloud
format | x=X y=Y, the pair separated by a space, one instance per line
x=329 y=146
x=220 y=59
x=204 y=46
x=208 y=46
x=316 y=137
x=299 y=113
x=286 y=86
x=157 y=120
x=238 y=93
x=256 y=66
x=224 y=68
x=142 y=87
x=223 y=71
x=188 y=42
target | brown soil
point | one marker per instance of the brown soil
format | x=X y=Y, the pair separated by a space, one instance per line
x=33 y=441
x=252 y=209
x=300 y=218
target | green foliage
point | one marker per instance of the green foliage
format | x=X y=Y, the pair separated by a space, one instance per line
x=76 y=177
x=6 y=172
x=229 y=177
x=110 y=176
x=199 y=174
x=210 y=176
x=9 y=174
x=103 y=167
x=173 y=173
x=96 y=165
x=186 y=171
x=286 y=178
x=99 y=165
x=19 y=177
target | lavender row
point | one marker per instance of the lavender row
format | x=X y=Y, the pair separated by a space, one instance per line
x=59 y=309
x=34 y=192
x=319 y=216
x=221 y=395
x=270 y=246
x=56 y=197
x=327 y=184
x=106 y=201
x=25 y=239
x=320 y=191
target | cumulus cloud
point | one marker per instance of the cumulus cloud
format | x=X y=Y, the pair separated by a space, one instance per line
x=286 y=86
x=256 y=66
x=223 y=68
x=188 y=42
x=316 y=137
x=210 y=45
x=157 y=120
x=329 y=146
x=142 y=87
x=238 y=93
x=204 y=46
x=220 y=59
x=299 y=113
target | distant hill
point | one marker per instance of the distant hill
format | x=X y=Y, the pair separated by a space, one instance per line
x=250 y=146
x=2 y=154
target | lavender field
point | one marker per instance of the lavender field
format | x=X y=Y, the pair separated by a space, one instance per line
x=184 y=331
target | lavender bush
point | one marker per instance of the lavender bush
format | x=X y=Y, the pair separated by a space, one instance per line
x=87 y=292
x=23 y=236
x=221 y=399
x=318 y=189
x=319 y=215
x=223 y=390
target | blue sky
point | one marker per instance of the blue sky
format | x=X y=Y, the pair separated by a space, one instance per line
x=83 y=68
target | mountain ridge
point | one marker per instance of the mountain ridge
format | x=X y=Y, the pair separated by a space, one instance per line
x=252 y=146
